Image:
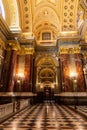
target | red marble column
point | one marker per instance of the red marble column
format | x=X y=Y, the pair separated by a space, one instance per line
x=3 y=73
x=16 y=66
x=31 y=73
x=64 y=65
x=16 y=73
x=1 y=65
x=10 y=84
x=80 y=80
x=28 y=73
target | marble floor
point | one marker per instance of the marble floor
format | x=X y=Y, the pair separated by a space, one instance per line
x=48 y=116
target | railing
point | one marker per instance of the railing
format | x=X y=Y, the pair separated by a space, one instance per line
x=65 y=94
x=24 y=103
x=6 y=109
x=72 y=98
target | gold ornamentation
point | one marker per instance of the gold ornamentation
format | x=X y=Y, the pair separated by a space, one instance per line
x=13 y=45
x=24 y=51
x=69 y=13
x=74 y=50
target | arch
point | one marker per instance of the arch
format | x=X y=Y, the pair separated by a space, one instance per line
x=51 y=1
x=46 y=4
x=12 y=15
x=46 y=12
x=42 y=25
x=46 y=72
x=46 y=17
x=2 y=12
x=43 y=59
x=46 y=83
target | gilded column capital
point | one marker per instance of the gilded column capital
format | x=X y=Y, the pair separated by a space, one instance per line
x=13 y=45
x=24 y=51
x=73 y=50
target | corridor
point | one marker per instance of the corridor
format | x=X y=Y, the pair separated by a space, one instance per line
x=48 y=116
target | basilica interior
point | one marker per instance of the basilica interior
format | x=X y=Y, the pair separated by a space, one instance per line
x=43 y=59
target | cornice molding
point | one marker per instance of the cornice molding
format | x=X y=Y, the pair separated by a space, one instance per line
x=68 y=38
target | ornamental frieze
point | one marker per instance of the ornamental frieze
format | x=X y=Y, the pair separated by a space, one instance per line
x=69 y=50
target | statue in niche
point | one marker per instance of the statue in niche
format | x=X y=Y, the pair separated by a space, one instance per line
x=81 y=23
x=80 y=18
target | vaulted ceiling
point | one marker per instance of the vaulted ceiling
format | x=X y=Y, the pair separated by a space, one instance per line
x=27 y=18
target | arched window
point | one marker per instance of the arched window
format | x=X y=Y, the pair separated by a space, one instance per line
x=2 y=9
x=46 y=36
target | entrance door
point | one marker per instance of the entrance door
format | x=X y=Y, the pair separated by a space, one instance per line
x=48 y=93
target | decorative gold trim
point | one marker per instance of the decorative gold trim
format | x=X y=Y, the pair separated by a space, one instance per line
x=24 y=51
x=63 y=50
x=69 y=38
x=13 y=45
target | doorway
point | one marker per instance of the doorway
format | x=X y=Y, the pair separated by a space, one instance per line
x=48 y=93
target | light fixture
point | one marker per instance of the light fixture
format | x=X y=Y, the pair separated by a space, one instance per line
x=73 y=74
x=21 y=75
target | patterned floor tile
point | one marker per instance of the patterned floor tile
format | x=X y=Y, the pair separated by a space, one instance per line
x=47 y=116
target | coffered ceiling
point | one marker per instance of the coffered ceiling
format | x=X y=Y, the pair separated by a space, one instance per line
x=33 y=17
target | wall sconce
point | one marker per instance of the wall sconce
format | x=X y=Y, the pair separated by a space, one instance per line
x=73 y=76
x=20 y=79
x=20 y=75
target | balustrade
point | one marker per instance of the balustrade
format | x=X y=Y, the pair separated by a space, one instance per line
x=6 y=109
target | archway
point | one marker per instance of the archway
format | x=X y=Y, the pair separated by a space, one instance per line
x=48 y=90
x=46 y=74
